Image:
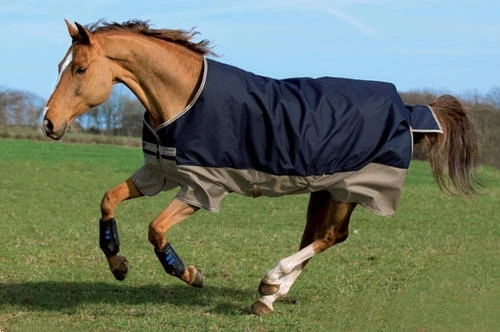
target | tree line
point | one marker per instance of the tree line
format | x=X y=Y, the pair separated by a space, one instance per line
x=122 y=114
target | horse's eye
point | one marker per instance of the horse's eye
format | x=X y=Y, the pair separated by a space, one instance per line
x=81 y=71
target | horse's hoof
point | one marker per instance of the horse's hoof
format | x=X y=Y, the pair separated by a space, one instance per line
x=259 y=308
x=268 y=289
x=119 y=267
x=196 y=277
x=120 y=275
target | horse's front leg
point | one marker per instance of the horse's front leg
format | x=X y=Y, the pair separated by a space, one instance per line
x=108 y=231
x=176 y=212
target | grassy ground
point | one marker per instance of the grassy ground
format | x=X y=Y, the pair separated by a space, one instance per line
x=433 y=267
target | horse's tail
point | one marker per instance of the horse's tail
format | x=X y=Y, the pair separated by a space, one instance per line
x=453 y=155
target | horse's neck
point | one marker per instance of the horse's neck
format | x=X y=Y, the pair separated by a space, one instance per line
x=164 y=76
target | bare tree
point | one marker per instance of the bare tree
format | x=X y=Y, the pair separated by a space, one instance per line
x=19 y=107
x=487 y=119
x=133 y=113
x=121 y=114
x=493 y=96
x=418 y=97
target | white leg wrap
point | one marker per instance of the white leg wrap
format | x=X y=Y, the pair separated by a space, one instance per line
x=286 y=265
x=287 y=281
x=285 y=284
x=285 y=273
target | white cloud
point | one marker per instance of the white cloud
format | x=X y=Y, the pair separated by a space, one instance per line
x=360 y=26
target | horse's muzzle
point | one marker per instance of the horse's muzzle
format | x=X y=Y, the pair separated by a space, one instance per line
x=49 y=130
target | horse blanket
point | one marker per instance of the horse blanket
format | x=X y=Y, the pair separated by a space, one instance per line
x=255 y=135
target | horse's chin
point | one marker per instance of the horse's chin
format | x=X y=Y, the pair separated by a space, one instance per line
x=55 y=137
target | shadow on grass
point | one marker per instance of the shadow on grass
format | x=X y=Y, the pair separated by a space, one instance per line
x=65 y=296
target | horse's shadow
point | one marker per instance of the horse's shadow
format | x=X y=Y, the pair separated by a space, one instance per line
x=66 y=296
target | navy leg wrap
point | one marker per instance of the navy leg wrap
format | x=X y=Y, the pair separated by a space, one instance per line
x=108 y=237
x=171 y=262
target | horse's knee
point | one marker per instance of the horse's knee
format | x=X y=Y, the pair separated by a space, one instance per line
x=152 y=234
x=156 y=236
x=107 y=205
x=113 y=197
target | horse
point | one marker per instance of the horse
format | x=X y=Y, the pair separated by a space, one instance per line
x=212 y=129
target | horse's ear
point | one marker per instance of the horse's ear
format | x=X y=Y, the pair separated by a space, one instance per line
x=84 y=35
x=73 y=32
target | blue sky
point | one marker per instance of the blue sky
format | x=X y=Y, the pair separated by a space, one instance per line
x=443 y=46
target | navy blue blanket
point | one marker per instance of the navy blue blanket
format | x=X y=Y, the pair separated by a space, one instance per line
x=298 y=126
x=256 y=135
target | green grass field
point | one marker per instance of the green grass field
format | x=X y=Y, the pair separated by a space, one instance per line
x=433 y=267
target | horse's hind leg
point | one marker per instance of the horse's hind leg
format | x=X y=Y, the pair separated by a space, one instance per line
x=327 y=224
x=108 y=230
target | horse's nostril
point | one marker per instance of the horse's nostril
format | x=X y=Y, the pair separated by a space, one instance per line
x=48 y=126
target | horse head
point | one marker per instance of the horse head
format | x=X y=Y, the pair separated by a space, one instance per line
x=85 y=80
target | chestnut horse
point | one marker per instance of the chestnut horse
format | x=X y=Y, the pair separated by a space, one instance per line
x=167 y=72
